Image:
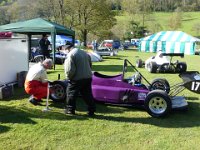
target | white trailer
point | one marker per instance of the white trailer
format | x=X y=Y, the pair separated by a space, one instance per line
x=13 y=59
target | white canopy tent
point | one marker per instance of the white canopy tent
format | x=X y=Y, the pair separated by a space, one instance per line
x=169 y=42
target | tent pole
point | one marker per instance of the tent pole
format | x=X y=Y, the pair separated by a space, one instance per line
x=73 y=39
x=29 y=47
x=53 y=36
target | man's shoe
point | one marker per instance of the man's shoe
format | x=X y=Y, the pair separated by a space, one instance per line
x=91 y=113
x=33 y=101
x=69 y=112
x=39 y=100
x=31 y=97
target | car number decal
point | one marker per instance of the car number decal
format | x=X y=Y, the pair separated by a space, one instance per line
x=195 y=86
x=141 y=96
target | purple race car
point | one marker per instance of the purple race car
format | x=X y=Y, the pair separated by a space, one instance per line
x=117 y=89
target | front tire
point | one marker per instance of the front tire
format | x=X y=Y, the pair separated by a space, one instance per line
x=152 y=67
x=158 y=104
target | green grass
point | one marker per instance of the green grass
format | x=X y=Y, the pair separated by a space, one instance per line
x=189 y=19
x=24 y=126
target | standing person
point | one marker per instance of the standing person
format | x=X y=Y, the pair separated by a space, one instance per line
x=44 y=46
x=95 y=45
x=78 y=71
x=36 y=81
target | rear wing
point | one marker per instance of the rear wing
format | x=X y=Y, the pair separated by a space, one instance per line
x=189 y=76
x=173 y=54
x=191 y=81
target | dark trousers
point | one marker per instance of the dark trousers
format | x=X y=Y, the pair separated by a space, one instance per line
x=45 y=54
x=84 y=88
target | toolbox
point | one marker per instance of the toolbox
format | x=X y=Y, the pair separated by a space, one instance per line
x=6 y=91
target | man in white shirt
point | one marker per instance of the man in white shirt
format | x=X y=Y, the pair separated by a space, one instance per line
x=36 y=81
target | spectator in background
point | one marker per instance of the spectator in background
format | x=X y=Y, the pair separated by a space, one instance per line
x=44 y=46
x=95 y=45
x=78 y=72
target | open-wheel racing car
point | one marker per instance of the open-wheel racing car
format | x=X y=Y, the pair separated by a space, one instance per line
x=162 y=63
x=156 y=97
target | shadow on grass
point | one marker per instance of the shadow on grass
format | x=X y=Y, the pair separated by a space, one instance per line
x=191 y=98
x=102 y=108
x=105 y=58
x=177 y=119
x=4 y=129
x=25 y=115
x=189 y=19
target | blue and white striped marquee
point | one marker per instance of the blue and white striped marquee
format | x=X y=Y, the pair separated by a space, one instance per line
x=169 y=42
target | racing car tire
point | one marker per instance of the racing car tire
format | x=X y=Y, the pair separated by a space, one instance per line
x=158 y=104
x=152 y=67
x=160 y=84
x=59 y=91
x=181 y=67
x=165 y=68
x=139 y=63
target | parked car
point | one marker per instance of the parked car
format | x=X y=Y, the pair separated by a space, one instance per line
x=107 y=43
x=59 y=57
x=106 y=51
x=163 y=63
x=126 y=45
x=135 y=42
x=115 y=44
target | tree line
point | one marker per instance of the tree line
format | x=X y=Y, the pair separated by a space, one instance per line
x=162 y=5
x=96 y=19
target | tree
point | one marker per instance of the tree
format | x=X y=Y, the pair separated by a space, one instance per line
x=90 y=16
x=155 y=27
x=141 y=8
x=134 y=30
x=4 y=18
x=196 y=28
x=119 y=30
x=175 y=20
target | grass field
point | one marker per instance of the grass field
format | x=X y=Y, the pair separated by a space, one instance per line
x=24 y=126
x=188 y=21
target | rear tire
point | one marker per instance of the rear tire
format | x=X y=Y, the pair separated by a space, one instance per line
x=165 y=68
x=181 y=67
x=158 y=103
x=139 y=63
x=160 y=84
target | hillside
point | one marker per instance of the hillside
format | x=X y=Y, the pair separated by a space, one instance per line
x=189 y=22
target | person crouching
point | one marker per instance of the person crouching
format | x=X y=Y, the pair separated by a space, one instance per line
x=36 y=81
